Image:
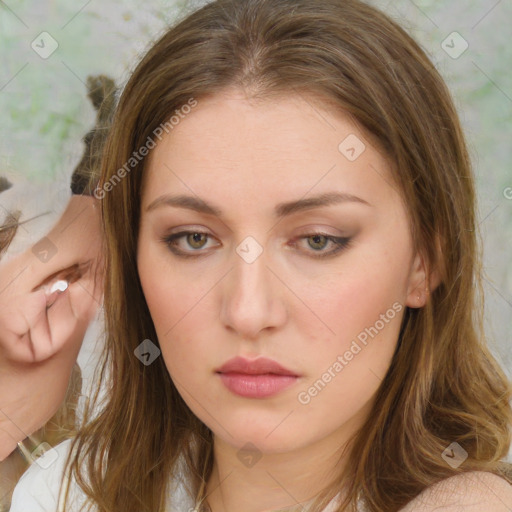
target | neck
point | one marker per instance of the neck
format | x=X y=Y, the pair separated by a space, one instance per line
x=258 y=482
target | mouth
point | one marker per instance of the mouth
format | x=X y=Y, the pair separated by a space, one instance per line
x=259 y=378
x=258 y=366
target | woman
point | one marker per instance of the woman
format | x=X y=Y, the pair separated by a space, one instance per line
x=290 y=306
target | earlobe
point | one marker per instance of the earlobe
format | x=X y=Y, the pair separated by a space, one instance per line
x=420 y=287
x=424 y=279
x=417 y=283
x=417 y=298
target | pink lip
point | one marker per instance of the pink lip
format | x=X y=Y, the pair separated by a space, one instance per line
x=258 y=366
x=258 y=378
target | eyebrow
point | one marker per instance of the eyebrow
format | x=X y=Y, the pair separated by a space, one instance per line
x=281 y=210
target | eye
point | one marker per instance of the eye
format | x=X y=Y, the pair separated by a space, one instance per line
x=194 y=239
x=319 y=241
x=197 y=240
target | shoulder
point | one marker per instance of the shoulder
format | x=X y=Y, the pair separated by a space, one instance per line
x=469 y=492
x=38 y=488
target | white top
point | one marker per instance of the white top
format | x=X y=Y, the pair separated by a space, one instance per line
x=38 y=488
x=38 y=491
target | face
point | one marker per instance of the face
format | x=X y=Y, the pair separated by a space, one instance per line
x=292 y=244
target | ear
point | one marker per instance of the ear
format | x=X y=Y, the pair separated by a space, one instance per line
x=423 y=280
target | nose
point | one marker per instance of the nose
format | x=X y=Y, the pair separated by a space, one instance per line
x=252 y=298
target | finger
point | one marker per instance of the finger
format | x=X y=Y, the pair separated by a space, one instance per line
x=71 y=315
x=27 y=333
x=62 y=320
x=38 y=325
x=58 y=325
x=55 y=325
x=17 y=320
x=39 y=334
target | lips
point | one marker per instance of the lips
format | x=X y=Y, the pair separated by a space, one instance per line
x=259 y=378
x=254 y=367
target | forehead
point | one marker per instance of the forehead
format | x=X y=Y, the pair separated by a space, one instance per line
x=233 y=146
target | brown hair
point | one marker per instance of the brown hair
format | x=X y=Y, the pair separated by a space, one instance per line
x=443 y=384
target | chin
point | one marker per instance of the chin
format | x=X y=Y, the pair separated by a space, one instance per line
x=267 y=432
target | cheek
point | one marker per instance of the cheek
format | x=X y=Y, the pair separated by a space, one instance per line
x=171 y=304
x=345 y=369
x=177 y=308
x=357 y=313
x=169 y=295
x=350 y=302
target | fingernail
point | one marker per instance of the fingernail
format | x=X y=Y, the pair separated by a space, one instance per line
x=53 y=292
x=60 y=285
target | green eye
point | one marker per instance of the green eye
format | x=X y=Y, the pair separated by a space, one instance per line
x=319 y=241
x=196 y=240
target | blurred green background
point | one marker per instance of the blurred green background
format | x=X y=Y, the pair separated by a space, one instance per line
x=45 y=111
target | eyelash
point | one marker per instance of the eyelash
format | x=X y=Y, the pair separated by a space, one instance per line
x=341 y=243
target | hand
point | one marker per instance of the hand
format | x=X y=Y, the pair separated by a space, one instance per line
x=41 y=332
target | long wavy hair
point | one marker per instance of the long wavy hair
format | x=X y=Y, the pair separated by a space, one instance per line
x=443 y=384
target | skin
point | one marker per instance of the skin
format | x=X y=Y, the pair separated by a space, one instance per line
x=245 y=158
x=39 y=346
